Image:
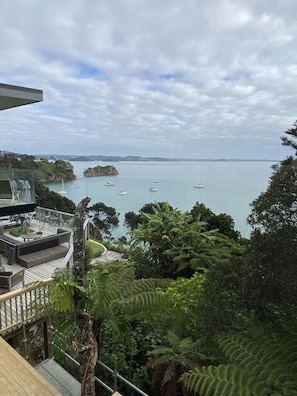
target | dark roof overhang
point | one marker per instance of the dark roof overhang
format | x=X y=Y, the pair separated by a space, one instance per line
x=14 y=96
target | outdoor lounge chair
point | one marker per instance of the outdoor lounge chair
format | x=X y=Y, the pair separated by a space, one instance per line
x=10 y=279
x=8 y=191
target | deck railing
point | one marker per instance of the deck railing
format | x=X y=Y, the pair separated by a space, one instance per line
x=22 y=306
x=54 y=218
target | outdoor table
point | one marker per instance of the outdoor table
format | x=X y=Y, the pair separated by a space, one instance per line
x=31 y=236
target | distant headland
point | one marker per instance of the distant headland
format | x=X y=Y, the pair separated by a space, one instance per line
x=117 y=158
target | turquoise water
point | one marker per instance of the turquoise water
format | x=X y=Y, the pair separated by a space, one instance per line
x=229 y=187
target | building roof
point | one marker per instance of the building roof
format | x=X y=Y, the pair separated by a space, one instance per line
x=14 y=96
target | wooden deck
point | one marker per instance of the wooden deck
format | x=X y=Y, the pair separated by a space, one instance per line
x=37 y=273
x=20 y=304
x=16 y=305
x=42 y=271
x=19 y=378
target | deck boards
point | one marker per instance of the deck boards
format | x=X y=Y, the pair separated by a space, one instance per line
x=19 y=378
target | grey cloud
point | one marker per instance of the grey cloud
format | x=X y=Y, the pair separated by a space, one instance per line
x=189 y=79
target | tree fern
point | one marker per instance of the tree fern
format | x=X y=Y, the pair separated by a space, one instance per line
x=224 y=380
x=261 y=365
x=262 y=359
x=169 y=362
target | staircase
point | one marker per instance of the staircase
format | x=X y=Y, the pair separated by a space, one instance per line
x=59 y=377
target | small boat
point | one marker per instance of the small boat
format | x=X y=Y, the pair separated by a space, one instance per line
x=153 y=189
x=63 y=190
x=74 y=186
x=199 y=185
x=122 y=192
x=156 y=181
x=108 y=183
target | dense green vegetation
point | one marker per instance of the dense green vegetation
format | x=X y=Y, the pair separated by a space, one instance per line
x=104 y=220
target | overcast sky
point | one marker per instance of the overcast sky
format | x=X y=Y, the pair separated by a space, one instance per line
x=170 y=78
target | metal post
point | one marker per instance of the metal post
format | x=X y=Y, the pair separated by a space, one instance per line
x=115 y=377
x=24 y=340
x=46 y=341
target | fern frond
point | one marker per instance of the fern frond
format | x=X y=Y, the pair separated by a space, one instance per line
x=224 y=381
x=263 y=357
x=141 y=286
x=169 y=373
x=124 y=276
x=100 y=292
x=147 y=301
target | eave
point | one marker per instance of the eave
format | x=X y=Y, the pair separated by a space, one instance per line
x=14 y=96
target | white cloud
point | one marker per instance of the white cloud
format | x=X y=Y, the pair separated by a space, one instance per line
x=161 y=78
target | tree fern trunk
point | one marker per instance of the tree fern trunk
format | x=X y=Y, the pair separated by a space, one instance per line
x=79 y=240
x=87 y=354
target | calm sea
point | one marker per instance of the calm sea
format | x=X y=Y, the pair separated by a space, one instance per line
x=229 y=187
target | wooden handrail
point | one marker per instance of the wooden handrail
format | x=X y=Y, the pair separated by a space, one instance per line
x=21 y=306
x=9 y=295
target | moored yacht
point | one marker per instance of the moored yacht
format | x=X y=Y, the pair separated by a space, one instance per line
x=108 y=183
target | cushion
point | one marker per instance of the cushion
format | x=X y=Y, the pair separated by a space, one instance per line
x=6 y=273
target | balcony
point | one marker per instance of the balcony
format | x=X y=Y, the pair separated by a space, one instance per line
x=17 y=191
x=38 y=234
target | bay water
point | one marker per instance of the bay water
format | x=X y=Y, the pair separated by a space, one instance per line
x=229 y=187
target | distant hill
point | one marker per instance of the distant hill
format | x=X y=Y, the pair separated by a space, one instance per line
x=117 y=158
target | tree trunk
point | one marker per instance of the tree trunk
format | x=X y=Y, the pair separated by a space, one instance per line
x=88 y=351
x=87 y=354
x=79 y=240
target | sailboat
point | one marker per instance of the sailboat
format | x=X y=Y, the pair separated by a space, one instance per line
x=108 y=183
x=63 y=189
x=199 y=185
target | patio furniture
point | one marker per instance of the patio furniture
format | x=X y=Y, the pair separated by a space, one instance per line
x=8 y=191
x=9 y=279
x=32 y=236
x=42 y=250
x=64 y=236
x=7 y=246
